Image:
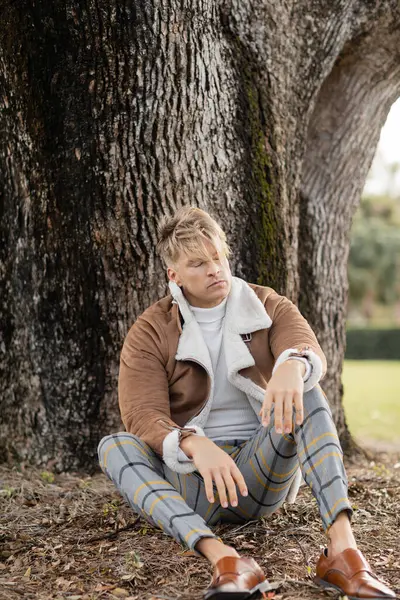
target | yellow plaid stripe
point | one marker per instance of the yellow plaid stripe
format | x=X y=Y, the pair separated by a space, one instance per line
x=288 y=439
x=192 y=531
x=123 y=443
x=243 y=512
x=315 y=440
x=266 y=485
x=330 y=512
x=146 y=484
x=212 y=505
x=162 y=498
x=322 y=460
x=281 y=476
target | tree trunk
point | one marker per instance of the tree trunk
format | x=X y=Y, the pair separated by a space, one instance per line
x=351 y=108
x=114 y=114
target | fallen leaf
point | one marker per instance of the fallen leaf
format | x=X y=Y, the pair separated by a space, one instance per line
x=103 y=588
x=120 y=593
x=28 y=572
x=64 y=583
x=129 y=577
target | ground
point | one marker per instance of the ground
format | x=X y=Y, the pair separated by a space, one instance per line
x=72 y=536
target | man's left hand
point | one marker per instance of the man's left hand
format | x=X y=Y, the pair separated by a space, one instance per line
x=284 y=389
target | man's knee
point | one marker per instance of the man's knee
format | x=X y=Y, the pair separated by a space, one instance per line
x=316 y=398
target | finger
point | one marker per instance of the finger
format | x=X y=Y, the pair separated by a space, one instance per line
x=278 y=398
x=208 y=485
x=230 y=486
x=266 y=408
x=298 y=403
x=238 y=477
x=288 y=412
x=221 y=488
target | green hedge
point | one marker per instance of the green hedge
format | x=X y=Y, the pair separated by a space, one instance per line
x=370 y=344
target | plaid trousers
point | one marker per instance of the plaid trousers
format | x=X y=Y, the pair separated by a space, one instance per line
x=177 y=503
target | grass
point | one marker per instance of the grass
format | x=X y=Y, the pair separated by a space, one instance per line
x=371 y=399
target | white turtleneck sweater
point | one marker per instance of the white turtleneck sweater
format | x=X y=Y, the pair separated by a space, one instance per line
x=231 y=415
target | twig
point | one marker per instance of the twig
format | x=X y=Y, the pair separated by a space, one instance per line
x=307 y=583
x=293 y=531
x=302 y=550
x=111 y=535
x=242 y=527
x=14 y=589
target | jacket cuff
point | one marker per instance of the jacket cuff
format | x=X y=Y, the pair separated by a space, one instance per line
x=305 y=362
x=310 y=379
x=173 y=455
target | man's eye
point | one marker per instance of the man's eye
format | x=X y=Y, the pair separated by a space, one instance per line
x=202 y=262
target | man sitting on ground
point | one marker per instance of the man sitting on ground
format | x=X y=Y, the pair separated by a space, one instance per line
x=219 y=394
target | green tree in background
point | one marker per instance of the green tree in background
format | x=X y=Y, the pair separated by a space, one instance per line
x=374 y=260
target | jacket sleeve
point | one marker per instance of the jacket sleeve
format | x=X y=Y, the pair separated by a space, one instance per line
x=291 y=333
x=143 y=395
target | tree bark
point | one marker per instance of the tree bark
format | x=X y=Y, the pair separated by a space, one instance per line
x=114 y=114
x=344 y=129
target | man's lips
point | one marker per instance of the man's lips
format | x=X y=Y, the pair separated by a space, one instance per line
x=215 y=282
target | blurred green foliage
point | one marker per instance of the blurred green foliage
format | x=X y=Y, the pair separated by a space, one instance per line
x=374 y=259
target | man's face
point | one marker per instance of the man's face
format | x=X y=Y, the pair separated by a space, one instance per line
x=197 y=276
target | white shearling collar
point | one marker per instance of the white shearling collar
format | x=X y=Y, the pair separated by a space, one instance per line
x=245 y=312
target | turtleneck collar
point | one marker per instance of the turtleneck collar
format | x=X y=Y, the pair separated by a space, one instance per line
x=209 y=315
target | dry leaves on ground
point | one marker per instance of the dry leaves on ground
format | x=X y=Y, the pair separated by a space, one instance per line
x=71 y=536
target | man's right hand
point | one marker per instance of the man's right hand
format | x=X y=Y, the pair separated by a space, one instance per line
x=216 y=465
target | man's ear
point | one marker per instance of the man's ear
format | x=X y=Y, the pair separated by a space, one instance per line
x=173 y=276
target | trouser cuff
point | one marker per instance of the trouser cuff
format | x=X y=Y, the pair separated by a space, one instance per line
x=196 y=537
x=329 y=518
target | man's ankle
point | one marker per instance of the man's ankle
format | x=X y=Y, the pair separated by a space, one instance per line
x=213 y=549
x=341 y=535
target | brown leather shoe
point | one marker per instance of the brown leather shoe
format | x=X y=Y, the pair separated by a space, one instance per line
x=350 y=574
x=237 y=579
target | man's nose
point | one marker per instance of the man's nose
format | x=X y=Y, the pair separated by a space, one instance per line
x=214 y=268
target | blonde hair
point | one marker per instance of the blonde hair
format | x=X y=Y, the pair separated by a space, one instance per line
x=186 y=233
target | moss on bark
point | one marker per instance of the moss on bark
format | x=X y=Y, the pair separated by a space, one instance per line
x=264 y=240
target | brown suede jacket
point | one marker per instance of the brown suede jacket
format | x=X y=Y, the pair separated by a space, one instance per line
x=166 y=380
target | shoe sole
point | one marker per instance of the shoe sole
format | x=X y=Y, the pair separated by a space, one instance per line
x=253 y=594
x=326 y=584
